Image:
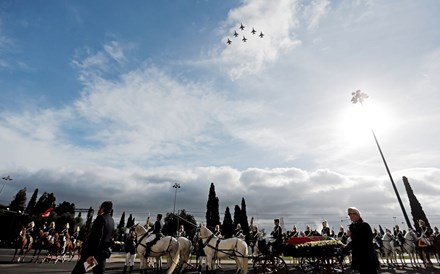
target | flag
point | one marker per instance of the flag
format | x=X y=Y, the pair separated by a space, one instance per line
x=381 y=230
x=47 y=212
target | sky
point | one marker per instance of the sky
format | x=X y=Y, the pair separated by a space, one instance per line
x=116 y=100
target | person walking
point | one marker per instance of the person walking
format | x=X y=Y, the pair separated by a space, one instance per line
x=364 y=258
x=96 y=249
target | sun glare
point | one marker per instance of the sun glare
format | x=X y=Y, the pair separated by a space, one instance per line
x=357 y=122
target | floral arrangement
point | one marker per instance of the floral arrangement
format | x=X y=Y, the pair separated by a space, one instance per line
x=321 y=244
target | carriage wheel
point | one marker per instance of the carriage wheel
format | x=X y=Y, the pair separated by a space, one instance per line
x=266 y=264
x=309 y=264
x=323 y=265
x=331 y=265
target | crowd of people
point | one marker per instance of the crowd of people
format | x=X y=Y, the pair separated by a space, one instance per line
x=360 y=240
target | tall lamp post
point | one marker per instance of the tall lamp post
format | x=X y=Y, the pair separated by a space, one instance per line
x=359 y=97
x=7 y=178
x=175 y=186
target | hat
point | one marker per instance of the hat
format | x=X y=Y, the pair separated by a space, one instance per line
x=276 y=220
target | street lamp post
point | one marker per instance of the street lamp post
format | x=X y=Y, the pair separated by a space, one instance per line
x=7 y=178
x=175 y=186
x=359 y=97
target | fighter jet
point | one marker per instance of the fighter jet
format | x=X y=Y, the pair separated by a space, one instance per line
x=7 y=178
x=235 y=33
x=244 y=39
x=241 y=27
x=229 y=41
x=261 y=34
x=253 y=31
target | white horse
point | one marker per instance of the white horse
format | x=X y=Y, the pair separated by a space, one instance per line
x=165 y=246
x=409 y=246
x=388 y=248
x=218 y=248
x=185 y=248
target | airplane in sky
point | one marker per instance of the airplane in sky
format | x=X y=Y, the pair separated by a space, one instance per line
x=229 y=41
x=244 y=39
x=241 y=27
x=261 y=35
x=253 y=31
x=7 y=178
x=235 y=33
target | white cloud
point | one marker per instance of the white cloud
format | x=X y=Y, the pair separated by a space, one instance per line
x=115 y=51
x=314 y=12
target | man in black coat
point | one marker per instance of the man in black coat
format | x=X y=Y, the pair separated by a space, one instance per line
x=98 y=244
x=364 y=258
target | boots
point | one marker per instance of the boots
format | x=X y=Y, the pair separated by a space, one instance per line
x=148 y=248
x=125 y=270
x=131 y=269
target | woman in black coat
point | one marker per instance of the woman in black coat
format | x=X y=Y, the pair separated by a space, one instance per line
x=364 y=258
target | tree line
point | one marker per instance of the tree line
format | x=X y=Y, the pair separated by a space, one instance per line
x=43 y=210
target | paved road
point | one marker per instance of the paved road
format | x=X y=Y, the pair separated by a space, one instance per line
x=115 y=265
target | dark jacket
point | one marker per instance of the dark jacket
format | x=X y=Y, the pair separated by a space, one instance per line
x=277 y=234
x=157 y=227
x=325 y=231
x=100 y=238
x=363 y=255
x=130 y=245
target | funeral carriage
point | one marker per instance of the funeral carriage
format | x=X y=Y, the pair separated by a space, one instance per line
x=315 y=254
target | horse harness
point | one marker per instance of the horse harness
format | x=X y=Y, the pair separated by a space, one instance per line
x=139 y=242
x=217 y=250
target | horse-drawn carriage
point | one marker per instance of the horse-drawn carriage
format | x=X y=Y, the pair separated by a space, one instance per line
x=315 y=254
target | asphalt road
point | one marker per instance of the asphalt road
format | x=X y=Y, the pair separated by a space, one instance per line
x=116 y=262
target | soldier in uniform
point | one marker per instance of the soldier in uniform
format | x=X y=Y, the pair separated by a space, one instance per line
x=398 y=234
x=156 y=233
x=308 y=232
x=239 y=232
x=325 y=231
x=181 y=232
x=130 y=252
x=277 y=235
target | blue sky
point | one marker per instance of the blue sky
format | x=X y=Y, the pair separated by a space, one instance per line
x=115 y=100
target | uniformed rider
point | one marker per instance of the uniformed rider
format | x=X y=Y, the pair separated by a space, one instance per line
x=156 y=232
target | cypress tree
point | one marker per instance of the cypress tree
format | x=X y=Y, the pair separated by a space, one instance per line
x=416 y=208
x=212 y=209
x=122 y=221
x=89 y=216
x=79 y=220
x=237 y=216
x=228 y=225
x=130 y=221
x=30 y=209
x=244 y=220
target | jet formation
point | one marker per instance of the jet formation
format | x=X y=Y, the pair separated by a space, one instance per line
x=244 y=39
